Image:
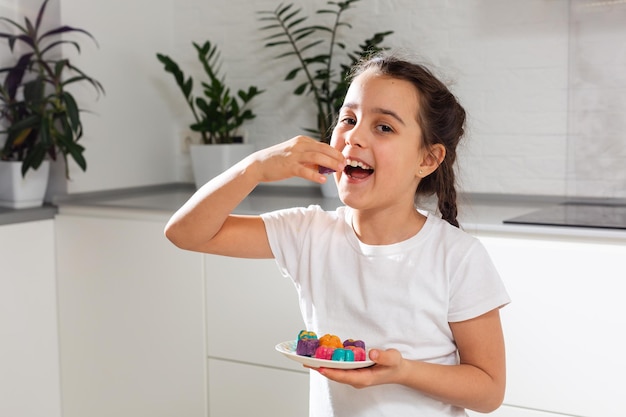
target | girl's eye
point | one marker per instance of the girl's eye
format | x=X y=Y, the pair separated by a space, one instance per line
x=385 y=128
x=348 y=120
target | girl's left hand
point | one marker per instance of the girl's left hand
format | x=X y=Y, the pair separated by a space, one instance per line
x=387 y=369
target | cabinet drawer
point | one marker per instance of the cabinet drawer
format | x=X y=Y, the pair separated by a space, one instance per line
x=237 y=389
x=250 y=308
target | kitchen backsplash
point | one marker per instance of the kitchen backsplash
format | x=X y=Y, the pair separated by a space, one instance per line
x=597 y=99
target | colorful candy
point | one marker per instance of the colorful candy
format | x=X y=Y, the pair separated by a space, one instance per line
x=344 y=355
x=324 y=352
x=324 y=170
x=352 y=342
x=331 y=340
x=359 y=353
x=306 y=335
x=307 y=347
x=330 y=347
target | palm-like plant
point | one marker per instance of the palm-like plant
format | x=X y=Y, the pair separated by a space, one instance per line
x=40 y=117
x=218 y=114
x=325 y=81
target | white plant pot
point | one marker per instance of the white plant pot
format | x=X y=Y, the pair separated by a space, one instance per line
x=19 y=192
x=208 y=161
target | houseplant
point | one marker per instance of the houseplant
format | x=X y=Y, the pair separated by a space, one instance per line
x=218 y=114
x=40 y=118
x=319 y=74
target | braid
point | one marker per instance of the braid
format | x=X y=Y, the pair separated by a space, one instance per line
x=446 y=193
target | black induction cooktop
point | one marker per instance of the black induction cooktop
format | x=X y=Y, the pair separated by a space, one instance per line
x=603 y=216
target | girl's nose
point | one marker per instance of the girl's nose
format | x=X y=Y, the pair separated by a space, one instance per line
x=355 y=137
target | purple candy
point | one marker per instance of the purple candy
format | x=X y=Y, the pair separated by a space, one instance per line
x=352 y=342
x=306 y=347
x=324 y=170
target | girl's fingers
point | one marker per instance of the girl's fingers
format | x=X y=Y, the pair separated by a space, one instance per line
x=299 y=157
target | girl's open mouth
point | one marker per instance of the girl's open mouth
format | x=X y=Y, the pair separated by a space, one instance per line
x=357 y=169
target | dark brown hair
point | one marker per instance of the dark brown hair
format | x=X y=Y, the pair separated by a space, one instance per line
x=440 y=117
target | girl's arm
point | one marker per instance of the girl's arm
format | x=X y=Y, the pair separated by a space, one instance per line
x=477 y=383
x=205 y=223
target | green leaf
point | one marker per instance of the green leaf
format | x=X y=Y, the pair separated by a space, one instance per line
x=76 y=152
x=282 y=10
x=303 y=34
x=292 y=74
x=311 y=45
x=72 y=111
x=270 y=44
x=292 y=15
x=33 y=158
x=301 y=89
x=274 y=26
x=277 y=35
x=285 y=54
x=295 y=22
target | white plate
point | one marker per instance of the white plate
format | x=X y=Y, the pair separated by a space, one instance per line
x=288 y=349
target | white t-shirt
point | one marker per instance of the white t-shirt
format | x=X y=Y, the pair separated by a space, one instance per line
x=398 y=296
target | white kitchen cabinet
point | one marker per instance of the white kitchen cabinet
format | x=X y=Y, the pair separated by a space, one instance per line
x=250 y=309
x=131 y=319
x=29 y=353
x=564 y=326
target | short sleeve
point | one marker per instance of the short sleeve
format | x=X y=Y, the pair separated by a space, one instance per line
x=476 y=286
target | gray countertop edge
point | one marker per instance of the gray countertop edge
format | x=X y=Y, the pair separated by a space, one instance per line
x=13 y=216
x=120 y=197
x=479 y=212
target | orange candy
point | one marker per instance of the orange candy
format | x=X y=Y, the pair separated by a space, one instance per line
x=331 y=340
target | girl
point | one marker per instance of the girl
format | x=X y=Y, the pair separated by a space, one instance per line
x=402 y=279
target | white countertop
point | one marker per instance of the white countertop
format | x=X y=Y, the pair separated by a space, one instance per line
x=478 y=214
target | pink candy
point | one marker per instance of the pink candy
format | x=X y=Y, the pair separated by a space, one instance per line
x=359 y=353
x=324 y=352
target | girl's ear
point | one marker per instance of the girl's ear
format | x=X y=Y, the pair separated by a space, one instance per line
x=432 y=159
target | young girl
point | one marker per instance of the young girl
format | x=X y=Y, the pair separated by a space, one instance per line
x=405 y=281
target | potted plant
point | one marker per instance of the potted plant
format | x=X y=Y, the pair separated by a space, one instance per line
x=40 y=117
x=218 y=114
x=320 y=77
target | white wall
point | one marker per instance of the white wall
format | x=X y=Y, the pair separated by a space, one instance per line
x=515 y=66
x=128 y=137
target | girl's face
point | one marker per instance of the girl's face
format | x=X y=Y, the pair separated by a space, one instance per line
x=378 y=133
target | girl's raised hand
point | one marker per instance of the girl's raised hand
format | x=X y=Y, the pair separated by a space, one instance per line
x=300 y=156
